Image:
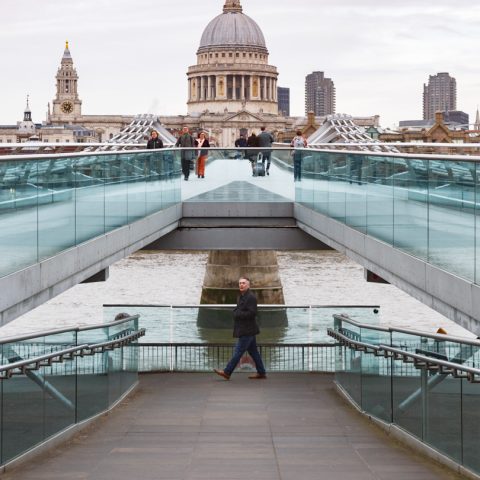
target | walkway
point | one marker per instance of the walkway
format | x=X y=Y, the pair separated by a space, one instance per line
x=198 y=426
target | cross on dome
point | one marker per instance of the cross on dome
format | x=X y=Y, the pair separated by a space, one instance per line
x=232 y=6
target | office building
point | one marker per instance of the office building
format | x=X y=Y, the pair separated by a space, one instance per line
x=319 y=94
x=440 y=95
x=283 y=95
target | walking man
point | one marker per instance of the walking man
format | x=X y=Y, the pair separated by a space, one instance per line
x=245 y=329
x=265 y=139
x=185 y=140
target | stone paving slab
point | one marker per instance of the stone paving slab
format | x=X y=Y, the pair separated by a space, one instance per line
x=200 y=427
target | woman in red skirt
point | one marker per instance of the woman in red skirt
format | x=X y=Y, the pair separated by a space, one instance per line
x=202 y=144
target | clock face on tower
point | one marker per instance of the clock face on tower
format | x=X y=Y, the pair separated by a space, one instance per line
x=67 y=107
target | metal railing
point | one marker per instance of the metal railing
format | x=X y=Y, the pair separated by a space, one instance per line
x=52 y=380
x=426 y=384
x=203 y=357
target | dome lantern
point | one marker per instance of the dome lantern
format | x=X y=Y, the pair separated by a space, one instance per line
x=232 y=6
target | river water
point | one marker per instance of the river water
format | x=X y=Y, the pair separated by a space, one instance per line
x=175 y=278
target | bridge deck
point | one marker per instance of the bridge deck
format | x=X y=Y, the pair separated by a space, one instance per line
x=197 y=426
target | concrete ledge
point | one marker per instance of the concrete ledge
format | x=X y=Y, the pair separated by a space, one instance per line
x=408 y=440
x=237 y=209
x=61 y=437
x=452 y=296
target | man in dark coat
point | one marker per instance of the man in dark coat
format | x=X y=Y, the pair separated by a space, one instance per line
x=245 y=329
x=186 y=141
x=265 y=139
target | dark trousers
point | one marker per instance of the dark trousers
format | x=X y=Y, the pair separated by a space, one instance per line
x=185 y=167
x=297 y=166
x=246 y=344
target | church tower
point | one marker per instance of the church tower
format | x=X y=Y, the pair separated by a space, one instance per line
x=67 y=107
x=26 y=128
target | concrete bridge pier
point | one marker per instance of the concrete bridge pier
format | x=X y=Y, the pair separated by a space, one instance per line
x=220 y=286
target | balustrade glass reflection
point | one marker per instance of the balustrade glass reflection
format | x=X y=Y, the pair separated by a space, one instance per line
x=425 y=206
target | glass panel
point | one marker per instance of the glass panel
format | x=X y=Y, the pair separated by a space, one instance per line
x=60 y=386
x=56 y=209
x=411 y=207
x=380 y=198
x=444 y=414
x=376 y=377
x=18 y=213
x=356 y=193
x=471 y=424
x=407 y=398
x=92 y=376
x=23 y=401
x=337 y=187
x=136 y=166
x=90 y=198
x=452 y=196
x=116 y=199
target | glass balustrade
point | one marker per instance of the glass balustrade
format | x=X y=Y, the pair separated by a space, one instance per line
x=435 y=407
x=51 y=203
x=425 y=205
x=45 y=399
x=185 y=338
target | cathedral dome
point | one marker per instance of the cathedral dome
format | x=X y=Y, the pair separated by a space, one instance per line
x=232 y=28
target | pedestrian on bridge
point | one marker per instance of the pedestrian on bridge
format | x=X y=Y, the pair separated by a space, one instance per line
x=245 y=329
x=154 y=141
x=265 y=139
x=299 y=142
x=186 y=141
x=202 y=144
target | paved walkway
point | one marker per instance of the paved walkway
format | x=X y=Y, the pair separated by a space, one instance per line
x=198 y=426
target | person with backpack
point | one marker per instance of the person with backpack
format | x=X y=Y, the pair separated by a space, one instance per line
x=298 y=142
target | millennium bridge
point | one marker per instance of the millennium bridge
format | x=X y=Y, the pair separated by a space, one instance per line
x=408 y=218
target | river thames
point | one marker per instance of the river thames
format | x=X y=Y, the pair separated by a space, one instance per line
x=175 y=278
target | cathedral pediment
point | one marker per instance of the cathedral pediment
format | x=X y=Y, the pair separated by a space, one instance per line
x=243 y=116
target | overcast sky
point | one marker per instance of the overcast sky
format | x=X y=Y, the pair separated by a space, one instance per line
x=132 y=55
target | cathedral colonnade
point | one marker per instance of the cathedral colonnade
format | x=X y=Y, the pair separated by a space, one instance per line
x=241 y=87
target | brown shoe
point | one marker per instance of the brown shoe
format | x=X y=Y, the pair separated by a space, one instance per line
x=222 y=374
x=258 y=376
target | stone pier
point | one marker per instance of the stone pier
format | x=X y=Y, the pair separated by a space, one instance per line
x=220 y=286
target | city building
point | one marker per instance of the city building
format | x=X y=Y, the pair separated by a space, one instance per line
x=319 y=94
x=436 y=132
x=439 y=95
x=283 y=95
x=232 y=90
x=454 y=119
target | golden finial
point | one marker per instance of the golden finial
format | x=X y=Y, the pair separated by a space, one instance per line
x=66 y=45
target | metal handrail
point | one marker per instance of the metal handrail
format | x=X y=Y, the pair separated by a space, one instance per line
x=46 y=333
x=23 y=366
x=443 y=337
x=232 y=305
x=115 y=343
x=317 y=148
x=442 y=367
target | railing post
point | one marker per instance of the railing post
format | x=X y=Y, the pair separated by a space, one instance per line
x=424 y=387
